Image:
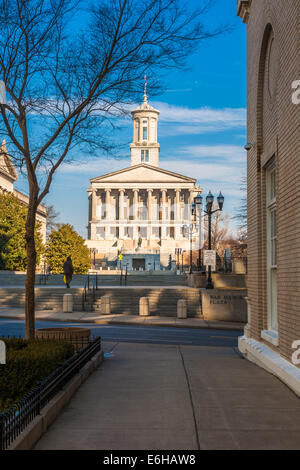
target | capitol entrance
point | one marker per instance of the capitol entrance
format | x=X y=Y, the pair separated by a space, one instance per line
x=139 y=264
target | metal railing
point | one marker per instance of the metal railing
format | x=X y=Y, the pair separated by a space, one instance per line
x=43 y=277
x=124 y=276
x=90 y=284
x=17 y=418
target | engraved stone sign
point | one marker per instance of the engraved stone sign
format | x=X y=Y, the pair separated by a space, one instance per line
x=225 y=305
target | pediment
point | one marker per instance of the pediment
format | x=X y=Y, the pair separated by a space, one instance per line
x=142 y=174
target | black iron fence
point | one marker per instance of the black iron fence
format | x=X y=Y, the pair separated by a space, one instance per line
x=17 y=418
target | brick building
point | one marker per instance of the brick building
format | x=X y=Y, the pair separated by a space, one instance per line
x=273 y=47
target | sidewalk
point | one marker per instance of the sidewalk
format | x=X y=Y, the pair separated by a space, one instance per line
x=89 y=317
x=157 y=397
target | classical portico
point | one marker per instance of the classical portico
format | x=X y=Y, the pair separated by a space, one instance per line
x=142 y=209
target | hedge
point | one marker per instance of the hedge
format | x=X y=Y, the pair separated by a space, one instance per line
x=28 y=362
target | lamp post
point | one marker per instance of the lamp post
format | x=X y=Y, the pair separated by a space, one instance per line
x=209 y=212
x=197 y=207
x=93 y=252
x=178 y=252
x=189 y=230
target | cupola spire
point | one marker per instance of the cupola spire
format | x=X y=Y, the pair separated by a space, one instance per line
x=145 y=90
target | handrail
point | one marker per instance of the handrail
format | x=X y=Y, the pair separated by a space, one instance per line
x=124 y=276
x=91 y=283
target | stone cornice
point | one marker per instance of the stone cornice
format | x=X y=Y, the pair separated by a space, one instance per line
x=243 y=9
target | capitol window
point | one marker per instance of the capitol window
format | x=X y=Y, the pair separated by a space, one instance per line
x=145 y=156
x=145 y=130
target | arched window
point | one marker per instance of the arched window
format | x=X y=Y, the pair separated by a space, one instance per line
x=145 y=130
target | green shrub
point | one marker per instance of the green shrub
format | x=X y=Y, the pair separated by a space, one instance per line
x=28 y=362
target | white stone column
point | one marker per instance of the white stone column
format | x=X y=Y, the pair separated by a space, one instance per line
x=121 y=204
x=135 y=213
x=107 y=213
x=177 y=214
x=191 y=200
x=164 y=213
x=150 y=192
x=121 y=213
x=94 y=204
x=99 y=207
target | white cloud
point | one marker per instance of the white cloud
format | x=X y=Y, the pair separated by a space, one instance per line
x=181 y=120
x=230 y=153
x=170 y=113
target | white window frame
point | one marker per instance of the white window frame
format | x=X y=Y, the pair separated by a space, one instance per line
x=271 y=254
x=145 y=156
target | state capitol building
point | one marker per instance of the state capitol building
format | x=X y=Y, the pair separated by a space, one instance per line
x=141 y=211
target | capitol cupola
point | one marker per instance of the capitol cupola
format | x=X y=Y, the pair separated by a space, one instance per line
x=144 y=148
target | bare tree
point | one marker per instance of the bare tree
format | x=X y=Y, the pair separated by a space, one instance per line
x=241 y=211
x=219 y=231
x=66 y=82
x=52 y=216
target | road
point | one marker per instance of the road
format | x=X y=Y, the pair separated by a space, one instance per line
x=137 y=334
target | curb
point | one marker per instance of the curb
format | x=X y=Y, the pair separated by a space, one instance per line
x=34 y=431
x=207 y=325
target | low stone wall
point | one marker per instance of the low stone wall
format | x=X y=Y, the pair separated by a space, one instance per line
x=220 y=280
x=224 y=305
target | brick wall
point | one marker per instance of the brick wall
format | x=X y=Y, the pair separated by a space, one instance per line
x=273 y=46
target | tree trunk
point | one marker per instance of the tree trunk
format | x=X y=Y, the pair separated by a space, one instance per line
x=31 y=267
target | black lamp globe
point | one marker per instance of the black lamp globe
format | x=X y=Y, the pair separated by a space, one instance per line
x=220 y=200
x=198 y=200
x=209 y=201
x=193 y=208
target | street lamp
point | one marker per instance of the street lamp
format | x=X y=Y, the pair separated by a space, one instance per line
x=189 y=230
x=93 y=251
x=197 y=206
x=178 y=252
x=209 y=212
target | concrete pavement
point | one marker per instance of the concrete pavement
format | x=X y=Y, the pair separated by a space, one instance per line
x=121 y=319
x=157 y=397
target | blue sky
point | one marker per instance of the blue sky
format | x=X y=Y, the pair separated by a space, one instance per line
x=202 y=127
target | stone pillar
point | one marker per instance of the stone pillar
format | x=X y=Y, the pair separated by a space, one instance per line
x=107 y=204
x=135 y=203
x=107 y=213
x=150 y=192
x=94 y=204
x=68 y=303
x=135 y=212
x=164 y=213
x=121 y=204
x=182 y=308
x=121 y=214
x=99 y=208
x=177 y=214
x=144 y=308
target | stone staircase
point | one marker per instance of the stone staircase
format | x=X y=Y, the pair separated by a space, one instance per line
x=45 y=298
x=167 y=278
x=163 y=301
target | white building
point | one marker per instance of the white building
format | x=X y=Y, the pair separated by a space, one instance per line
x=141 y=211
x=8 y=177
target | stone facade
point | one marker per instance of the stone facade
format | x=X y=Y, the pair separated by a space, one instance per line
x=8 y=177
x=273 y=48
x=141 y=211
